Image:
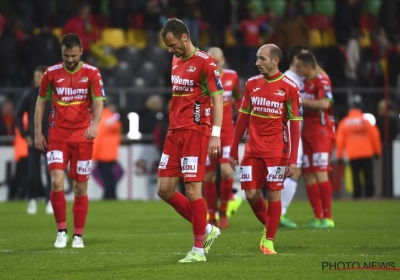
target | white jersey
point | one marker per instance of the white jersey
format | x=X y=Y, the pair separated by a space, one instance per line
x=300 y=83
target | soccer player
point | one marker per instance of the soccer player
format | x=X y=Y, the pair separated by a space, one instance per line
x=27 y=104
x=318 y=138
x=290 y=183
x=270 y=100
x=195 y=79
x=77 y=95
x=230 y=81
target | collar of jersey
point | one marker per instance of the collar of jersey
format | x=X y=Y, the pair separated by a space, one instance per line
x=192 y=53
x=274 y=78
x=76 y=70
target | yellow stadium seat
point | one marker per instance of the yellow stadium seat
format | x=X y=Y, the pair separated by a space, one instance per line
x=58 y=33
x=114 y=37
x=230 y=40
x=136 y=37
x=315 y=38
x=366 y=40
x=328 y=38
x=36 y=31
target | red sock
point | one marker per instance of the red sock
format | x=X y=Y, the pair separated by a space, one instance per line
x=80 y=210
x=225 y=188
x=199 y=221
x=314 y=197
x=260 y=210
x=273 y=215
x=181 y=205
x=210 y=195
x=59 y=207
x=326 y=198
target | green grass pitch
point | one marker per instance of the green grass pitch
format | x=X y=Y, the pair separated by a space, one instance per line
x=145 y=240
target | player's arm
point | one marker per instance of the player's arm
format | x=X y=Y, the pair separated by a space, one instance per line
x=324 y=98
x=45 y=93
x=295 y=115
x=241 y=126
x=98 y=98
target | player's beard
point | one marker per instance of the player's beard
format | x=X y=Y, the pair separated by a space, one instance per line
x=72 y=65
x=179 y=53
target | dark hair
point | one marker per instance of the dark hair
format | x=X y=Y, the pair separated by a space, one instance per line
x=275 y=52
x=307 y=59
x=71 y=40
x=41 y=68
x=176 y=27
x=295 y=50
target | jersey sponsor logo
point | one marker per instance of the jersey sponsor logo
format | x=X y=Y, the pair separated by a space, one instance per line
x=60 y=80
x=181 y=85
x=264 y=105
x=84 y=80
x=189 y=164
x=55 y=156
x=55 y=67
x=320 y=159
x=245 y=173
x=219 y=84
x=213 y=64
x=71 y=94
x=191 y=69
x=276 y=173
x=280 y=92
x=53 y=116
x=202 y=55
x=196 y=112
x=83 y=167
x=293 y=84
x=163 y=161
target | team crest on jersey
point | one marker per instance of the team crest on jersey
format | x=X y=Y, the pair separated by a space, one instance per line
x=191 y=69
x=280 y=93
x=84 y=80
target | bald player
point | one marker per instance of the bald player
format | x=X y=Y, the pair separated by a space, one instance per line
x=231 y=97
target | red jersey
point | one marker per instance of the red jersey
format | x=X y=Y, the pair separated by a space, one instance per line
x=194 y=79
x=315 y=89
x=270 y=103
x=72 y=94
x=230 y=82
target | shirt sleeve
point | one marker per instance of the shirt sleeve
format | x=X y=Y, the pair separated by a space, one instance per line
x=46 y=87
x=212 y=78
x=294 y=105
x=97 y=86
x=246 y=105
x=325 y=90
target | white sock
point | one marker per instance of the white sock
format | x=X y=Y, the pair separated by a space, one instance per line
x=208 y=228
x=199 y=250
x=288 y=193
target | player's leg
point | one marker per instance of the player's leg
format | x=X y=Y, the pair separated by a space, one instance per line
x=325 y=188
x=57 y=159
x=80 y=168
x=225 y=193
x=210 y=190
x=289 y=190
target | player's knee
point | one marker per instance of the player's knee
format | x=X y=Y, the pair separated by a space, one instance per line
x=210 y=177
x=164 y=193
x=57 y=183
x=226 y=174
x=252 y=196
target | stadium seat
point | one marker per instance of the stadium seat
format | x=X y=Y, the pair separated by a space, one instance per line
x=372 y=6
x=278 y=6
x=58 y=33
x=325 y=7
x=230 y=40
x=366 y=41
x=137 y=38
x=315 y=38
x=328 y=38
x=114 y=37
x=316 y=21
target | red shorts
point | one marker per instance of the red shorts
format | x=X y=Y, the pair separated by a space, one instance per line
x=184 y=155
x=316 y=154
x=78 y=154
x=226 y=139
x=255 y=171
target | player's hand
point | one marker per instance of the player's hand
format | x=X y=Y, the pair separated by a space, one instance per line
x=91 y=132
x=29 y=140
x=214 y=147
x=233 y=163
x=40 y=143
x=290 y=169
